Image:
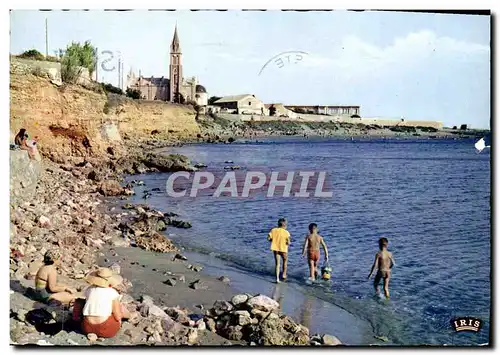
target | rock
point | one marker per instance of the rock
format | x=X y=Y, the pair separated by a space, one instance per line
x=263 y=303
x=156 y=242
x=92 y=337
x=242 y=318
x=128 y=206
x=234 y=332
x=200 y=325
x=178 y=315
x=198 y=285
x=210 y=323
x=110 y=188
x=239 y=299
x=43 y=221
x=197 y=268
x=224 y=279
x=182 y=278
x=179 y=224
x=192 y=336
x=115 y=267
x=170 y=282
x=167 y=163
x=330 y=340
x=220 y=307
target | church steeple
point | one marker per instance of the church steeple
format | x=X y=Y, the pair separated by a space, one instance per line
x=175 y=47
x=175 y=69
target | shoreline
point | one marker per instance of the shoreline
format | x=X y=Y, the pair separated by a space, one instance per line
x=68 y=193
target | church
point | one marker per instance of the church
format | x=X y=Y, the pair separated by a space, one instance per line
x=175 y=88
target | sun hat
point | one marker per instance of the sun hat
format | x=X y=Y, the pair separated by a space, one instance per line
x=104 y=277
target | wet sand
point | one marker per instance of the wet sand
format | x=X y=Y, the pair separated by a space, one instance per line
x=319 y=316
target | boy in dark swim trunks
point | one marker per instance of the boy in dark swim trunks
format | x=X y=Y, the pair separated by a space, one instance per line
x=384 y=262
x=311 y=245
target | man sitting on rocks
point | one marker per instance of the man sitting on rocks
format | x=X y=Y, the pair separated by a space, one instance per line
x=103 y=312
x=46 y=285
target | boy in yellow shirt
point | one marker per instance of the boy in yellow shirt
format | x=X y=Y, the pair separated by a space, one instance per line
x=280 y=239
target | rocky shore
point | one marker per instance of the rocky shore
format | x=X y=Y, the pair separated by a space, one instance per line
x=69 y=210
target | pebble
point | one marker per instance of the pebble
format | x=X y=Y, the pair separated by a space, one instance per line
x=92 y=337
x=224 y=279
x=170 y=282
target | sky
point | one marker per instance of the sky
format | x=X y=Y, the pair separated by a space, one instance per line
x=392 y=64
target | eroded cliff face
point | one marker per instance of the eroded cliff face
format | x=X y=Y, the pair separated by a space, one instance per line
x=75 y=121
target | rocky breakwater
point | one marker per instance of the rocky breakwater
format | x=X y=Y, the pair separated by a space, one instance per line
x=257 y=320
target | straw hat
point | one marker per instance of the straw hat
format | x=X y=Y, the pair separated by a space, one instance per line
x=104 y=277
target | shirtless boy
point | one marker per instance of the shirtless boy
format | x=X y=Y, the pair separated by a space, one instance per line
x=280 y=240
x=312 y=244
x=384 y=262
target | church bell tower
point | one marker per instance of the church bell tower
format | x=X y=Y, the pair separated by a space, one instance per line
x=175 y=68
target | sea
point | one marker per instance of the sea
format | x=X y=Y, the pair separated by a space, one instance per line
x=430 y=198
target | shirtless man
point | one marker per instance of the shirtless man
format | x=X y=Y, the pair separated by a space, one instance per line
x=280 y=240
x=384 y=262
x=312 y=244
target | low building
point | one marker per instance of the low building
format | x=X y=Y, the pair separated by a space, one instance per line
x=326 y=110
x=241 y=104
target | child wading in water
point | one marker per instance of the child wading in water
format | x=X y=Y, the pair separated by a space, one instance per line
x=384 y=262
x=280 y=240
x=311 y=245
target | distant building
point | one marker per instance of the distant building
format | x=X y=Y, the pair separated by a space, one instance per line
x=172 y=88
x=241 y=104
x=326 y=110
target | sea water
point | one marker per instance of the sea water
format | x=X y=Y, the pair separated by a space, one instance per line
x=430 y=198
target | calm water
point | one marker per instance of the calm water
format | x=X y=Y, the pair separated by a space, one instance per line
x=431 y=199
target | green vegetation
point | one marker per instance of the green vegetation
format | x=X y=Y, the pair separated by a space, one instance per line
x=133 y=93
x=75 y=57
x=32 y=54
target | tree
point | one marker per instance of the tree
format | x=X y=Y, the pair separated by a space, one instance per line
x=463 y=127
x=213 y=99
x=134 y=93
x=179 y=98
x=454 y=127
x=272 y=110
x=78 y=55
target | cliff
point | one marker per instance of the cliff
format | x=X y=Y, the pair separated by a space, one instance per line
x=76 y=121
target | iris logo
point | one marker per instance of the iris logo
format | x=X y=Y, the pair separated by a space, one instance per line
x=466 y=324
x=285 y=58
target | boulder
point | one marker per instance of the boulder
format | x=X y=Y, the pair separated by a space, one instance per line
x=110 y=188
x=330 y=340
x=234 y=332
x=263 y=303
x=220 y=307
x=167 y=163
x=242 y=318
x=224 y=279
x=170 y=282
x=156 y=242
x=192 y=336
x=239 y=299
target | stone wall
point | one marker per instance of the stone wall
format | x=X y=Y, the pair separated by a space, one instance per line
x=24 y=175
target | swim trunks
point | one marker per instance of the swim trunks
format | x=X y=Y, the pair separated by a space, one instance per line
x=313 y=255
x=107 y=329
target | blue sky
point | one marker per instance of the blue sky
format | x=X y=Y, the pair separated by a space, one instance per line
x=412 y=65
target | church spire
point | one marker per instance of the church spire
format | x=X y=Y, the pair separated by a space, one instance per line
x=175 y=47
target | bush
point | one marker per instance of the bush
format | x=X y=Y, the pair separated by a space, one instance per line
x=355 y=116
x=463 y=127
x=38 y=72
x=454 y=127
x=32 y=54
x=179 y=98
x=76 y=56
x=113 y=89
x=133 y=93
